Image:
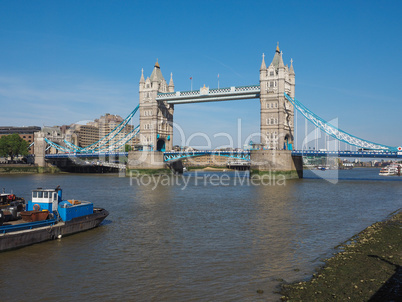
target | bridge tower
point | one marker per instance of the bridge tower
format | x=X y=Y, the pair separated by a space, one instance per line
x=156 y=117
x=277 y=114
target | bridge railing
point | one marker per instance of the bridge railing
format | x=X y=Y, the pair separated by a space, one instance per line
x=177 y=155
x=89 y=154
x=367 y=154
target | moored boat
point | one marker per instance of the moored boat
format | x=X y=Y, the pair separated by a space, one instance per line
x=391 y=170
x=48 y=217
x=10 y=205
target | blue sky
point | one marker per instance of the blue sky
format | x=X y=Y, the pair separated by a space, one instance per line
x=67 y=61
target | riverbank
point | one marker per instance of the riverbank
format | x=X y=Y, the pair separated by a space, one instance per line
x=208 y=169
x=26 y=169
x=367 y=268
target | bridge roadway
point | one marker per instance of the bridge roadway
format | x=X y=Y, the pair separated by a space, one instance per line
x=363 y=154
x=85 y=155
x=242 y=155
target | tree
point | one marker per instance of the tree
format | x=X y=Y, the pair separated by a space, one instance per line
x=127 y=148
x=13 y=145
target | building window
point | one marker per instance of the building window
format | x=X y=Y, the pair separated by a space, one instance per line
x=271 y=73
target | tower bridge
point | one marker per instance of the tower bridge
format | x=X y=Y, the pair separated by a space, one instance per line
x=276 y=92
x=157 y=101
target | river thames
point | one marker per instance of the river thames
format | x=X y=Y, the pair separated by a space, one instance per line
x=199 y=237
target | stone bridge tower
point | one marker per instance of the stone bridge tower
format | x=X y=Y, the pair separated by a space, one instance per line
x=277 y=114
x=156 y=117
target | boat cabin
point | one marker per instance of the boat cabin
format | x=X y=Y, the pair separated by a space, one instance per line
x=51 y=200
x=44 y=199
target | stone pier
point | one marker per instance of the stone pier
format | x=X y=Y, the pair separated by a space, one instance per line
x=277 y=162
x=40 y=149
x=146 y=161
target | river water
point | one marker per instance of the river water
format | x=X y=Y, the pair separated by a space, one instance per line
x=199 y=237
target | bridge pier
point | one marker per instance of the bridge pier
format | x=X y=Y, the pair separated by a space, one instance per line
x=276 y=162
x=40 y=149
x=146 y=160
x=176 y=167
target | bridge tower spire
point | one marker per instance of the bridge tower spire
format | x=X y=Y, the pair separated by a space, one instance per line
x=171 y=84
x=277 y=114
x=156 y=117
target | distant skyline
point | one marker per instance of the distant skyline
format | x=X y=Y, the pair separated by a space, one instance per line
x=63 y=62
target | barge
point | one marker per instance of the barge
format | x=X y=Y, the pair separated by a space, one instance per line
x=46 y=217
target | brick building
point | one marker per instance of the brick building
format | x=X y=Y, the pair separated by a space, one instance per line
x=26 y=133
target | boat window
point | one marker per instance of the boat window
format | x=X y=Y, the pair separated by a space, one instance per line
x=34 y=194
x=45 y=195
x=40 y=194
x=54 y=196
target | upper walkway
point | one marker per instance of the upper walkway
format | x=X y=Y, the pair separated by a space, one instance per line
x=210 y=95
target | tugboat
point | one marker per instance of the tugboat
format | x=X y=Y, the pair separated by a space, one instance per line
x=47 y=217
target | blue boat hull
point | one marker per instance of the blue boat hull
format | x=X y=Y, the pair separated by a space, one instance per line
x=21 y=238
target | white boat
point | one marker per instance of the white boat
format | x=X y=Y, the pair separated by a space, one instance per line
x=391 y=170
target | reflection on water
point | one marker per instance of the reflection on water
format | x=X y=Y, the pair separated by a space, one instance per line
x=199 y=242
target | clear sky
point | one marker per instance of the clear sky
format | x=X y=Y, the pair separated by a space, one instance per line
x=63 y=62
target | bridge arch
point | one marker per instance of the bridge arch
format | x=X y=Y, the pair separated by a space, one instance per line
x=288 y=142
x=161 y=145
